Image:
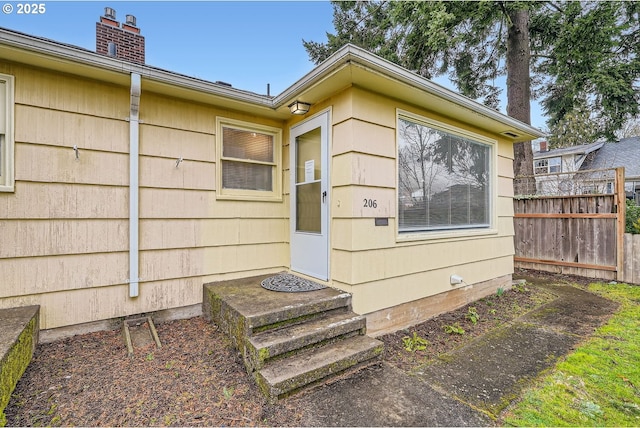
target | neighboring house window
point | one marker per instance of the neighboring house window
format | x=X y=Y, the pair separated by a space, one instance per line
x=6 y=133
x=546 y=166
x=249 y=164
x=444 y=177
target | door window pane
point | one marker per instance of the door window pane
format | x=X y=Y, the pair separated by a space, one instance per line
x=308 y=160
x=308 y=205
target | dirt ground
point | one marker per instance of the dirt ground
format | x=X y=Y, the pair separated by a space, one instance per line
x=198 y=379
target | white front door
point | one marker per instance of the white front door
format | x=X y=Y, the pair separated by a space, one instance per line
x=310 y=197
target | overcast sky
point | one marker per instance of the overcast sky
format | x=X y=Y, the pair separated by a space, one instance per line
x=248 y=44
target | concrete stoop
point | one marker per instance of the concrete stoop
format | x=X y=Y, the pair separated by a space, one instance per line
x=19 y=328
x=289 y=341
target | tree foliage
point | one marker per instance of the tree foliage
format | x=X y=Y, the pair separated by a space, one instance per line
x=630 y=129
x=575 y=128
x=588 y=55
x=584 y=55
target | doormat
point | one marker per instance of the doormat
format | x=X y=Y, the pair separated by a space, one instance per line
x=290 y=283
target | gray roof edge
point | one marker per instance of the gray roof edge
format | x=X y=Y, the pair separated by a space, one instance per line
x=584 y=149
x=67 y=52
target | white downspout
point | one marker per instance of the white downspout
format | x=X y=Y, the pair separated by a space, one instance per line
x=134 y=185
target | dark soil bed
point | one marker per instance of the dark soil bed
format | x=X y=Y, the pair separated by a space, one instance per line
x=198 y=379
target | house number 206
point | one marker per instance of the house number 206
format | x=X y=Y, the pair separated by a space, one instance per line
x=370 y=203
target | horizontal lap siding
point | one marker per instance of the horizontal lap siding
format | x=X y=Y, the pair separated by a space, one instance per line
x=380 y=268
x=367 y=266
x=65 y=231
x=187 y=236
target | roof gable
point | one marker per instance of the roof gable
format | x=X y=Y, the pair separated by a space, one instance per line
x=625 y=153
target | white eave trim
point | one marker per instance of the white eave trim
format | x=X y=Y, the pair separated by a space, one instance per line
x=362 y=58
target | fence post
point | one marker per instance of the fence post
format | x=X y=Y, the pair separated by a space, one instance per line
x=621 y=202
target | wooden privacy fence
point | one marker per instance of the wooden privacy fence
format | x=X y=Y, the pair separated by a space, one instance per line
x=575 y=233
x=631 y=268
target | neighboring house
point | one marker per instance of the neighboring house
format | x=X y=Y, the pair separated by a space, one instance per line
x=625 y=153
x=567 y=159
x=124 y=188
x=559 y=164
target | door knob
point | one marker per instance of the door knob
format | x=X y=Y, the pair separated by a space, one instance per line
x=324 y=196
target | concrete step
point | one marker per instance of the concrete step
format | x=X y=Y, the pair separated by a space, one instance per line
x=293 y=314
x=290 y=340
x=285 y=376
x=242 y=308
x=271 y=344
x=19 y=331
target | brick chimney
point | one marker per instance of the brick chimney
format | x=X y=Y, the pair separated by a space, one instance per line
x=119 y=41
x=544 y=146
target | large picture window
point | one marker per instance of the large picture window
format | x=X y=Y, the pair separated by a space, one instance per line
x=444 y=178
x=6 y=133
x=249 y=160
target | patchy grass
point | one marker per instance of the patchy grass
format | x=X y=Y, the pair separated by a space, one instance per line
x=599 y=383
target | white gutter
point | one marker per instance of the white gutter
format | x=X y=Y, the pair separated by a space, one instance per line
x=134 y=150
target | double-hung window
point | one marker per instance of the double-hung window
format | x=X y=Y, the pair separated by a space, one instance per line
x=546 y=166
x=445 y=177
x=249 y=165
x=6 y=134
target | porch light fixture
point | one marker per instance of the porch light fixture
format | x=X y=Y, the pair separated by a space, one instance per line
x=298 y=107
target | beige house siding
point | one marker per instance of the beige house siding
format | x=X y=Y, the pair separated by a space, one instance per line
x=64 y=240
x=379 y=267
x=64 y=229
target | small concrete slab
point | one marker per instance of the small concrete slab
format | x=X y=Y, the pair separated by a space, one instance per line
x=385 y=396
x=242 y=307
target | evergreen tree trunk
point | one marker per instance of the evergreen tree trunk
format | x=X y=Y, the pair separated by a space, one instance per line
x=519 y=88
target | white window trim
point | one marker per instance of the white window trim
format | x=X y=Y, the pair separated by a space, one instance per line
x=406 y=236
x=275 y=195
x=7 y=181
x=548 y=165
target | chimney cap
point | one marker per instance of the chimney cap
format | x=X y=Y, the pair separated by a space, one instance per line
x=130 y=20
x=110 y=13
